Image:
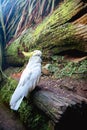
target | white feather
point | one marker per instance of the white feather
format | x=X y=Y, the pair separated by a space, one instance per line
x=29 y=79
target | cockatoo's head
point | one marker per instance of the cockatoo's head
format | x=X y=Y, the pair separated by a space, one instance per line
x=37 y=53
x=34 y=53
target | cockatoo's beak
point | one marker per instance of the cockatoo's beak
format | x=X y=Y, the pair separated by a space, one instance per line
x=27 y=54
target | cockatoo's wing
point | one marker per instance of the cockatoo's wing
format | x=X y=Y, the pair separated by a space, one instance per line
x=19 y=94
x=33 y=80
x=25 y=76
x=27 y=83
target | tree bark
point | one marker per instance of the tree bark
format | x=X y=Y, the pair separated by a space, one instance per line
x=64 y=29
x=54 y=99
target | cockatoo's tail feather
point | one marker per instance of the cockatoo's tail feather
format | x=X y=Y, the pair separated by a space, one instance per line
x=17 y=104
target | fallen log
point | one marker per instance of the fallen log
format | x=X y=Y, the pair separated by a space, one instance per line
x=54 y=99
x=61 y=31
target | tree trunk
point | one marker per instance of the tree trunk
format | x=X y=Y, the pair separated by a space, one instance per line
x=1 y=55
x=64 y=29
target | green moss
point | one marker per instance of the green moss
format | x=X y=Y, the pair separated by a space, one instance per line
x=7 y=88
x=32 y=117
x=61 y=68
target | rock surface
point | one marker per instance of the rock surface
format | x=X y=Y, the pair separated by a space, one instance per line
x=9 y=120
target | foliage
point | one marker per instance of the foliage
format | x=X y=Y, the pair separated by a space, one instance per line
x=61 y=68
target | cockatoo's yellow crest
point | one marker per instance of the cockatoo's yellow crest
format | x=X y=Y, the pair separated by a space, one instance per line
x=27 y=54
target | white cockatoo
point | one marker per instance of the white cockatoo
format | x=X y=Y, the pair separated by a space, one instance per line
x=28 y=80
